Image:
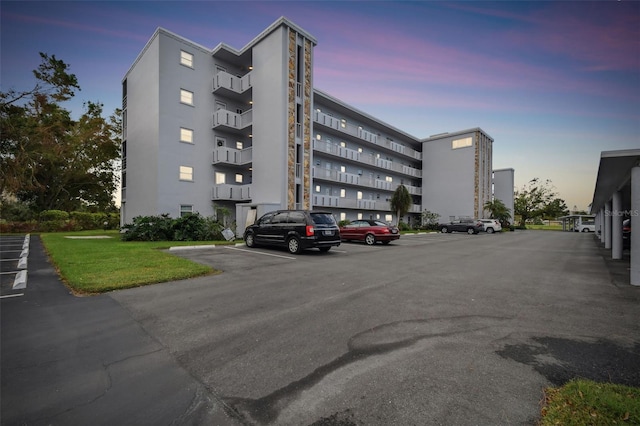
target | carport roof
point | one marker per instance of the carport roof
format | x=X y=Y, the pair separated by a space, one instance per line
x=614 y=173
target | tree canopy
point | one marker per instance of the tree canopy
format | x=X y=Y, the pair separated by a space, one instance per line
x=538 y=199
x=47 y=159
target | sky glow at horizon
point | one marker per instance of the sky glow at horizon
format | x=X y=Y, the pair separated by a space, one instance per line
x=553 y=83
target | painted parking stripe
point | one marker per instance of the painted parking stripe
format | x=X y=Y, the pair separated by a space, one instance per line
x=6 y=296
x=259 y=252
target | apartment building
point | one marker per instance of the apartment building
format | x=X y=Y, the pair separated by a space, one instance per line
x=246 y=132
x=457 y=172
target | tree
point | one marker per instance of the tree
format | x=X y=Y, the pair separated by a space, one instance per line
x=497 y=210
x=401 y=201
x=555 y=209
x=530 y=202
x=48 y=160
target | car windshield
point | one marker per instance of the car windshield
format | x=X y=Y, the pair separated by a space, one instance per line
x=323 y=219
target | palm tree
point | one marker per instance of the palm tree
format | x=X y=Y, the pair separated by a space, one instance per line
x=401 y=201
x=497 y=210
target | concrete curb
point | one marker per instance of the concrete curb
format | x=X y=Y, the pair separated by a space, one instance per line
x=20 y=281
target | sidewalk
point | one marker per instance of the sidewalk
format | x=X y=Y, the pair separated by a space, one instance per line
x=83 y=360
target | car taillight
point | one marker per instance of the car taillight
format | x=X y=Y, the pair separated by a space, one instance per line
x=310 y=231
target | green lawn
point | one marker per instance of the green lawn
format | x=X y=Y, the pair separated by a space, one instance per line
x=99 y=265
x=584 y=402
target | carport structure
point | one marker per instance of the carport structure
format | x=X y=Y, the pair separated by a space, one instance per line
x=617 y=197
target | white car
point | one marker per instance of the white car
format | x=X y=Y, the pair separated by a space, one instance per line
x=585 y=227
x=491 y=225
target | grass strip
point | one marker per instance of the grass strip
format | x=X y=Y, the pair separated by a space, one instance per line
x=104 y=264
x=584 y=402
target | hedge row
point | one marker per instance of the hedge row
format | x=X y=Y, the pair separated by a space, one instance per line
x=57 y=220
x=193 y=227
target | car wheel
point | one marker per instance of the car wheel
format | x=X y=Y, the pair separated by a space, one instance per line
x=444 y=229
x=249 y=240
x=471 y=231
x=489 y=230
x=325 y=249
x=293 y=244
x=370 y=239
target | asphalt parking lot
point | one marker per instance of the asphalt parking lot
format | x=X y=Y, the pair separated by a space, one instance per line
x=448 y=329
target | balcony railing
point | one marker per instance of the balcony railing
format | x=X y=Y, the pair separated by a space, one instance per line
x=359 y=132
x=369 y=182
x=231 y=120
x=369 y=159
x=224 y=80
x=320 y=200
x=224 y=155
x=231 y=192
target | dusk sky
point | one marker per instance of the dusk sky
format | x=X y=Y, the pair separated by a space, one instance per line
x=553 y=83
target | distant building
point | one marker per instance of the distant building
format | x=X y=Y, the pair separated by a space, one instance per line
x=503 y=184
x=457 y=173
x=245 y=131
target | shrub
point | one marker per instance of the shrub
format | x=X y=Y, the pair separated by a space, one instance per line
x=403 y=226
x=53 y=215
x=149 y=228
x=16 y=212
x=344 y=222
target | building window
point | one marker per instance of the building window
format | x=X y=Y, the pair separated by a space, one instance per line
x=186 y=97
x=462 y=143
x=186 y=210
x=317 y=188
x=238 y=178
x=220 y=178
x=186 y=173
x=343 y=144
x=343 y=169
x=343 y=192
x=388 y=218
x=359 y=216
x=360 y=150
x=186 y=135
x=318 y=137
x=389 y=179
x=359 y=195
x=239 y=145
x=343 y=216
x=186 y=59
x=343 y=123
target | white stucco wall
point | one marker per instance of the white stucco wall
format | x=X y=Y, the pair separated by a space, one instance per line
x=503 y=185
x=270 y=62
x=448 y=178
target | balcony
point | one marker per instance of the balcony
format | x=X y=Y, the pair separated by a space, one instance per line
x=225 y=83
x=360 y=133
x=320 y=200
x=231 y=192
x=369 y=159
x=239 y=157
x=227 y=120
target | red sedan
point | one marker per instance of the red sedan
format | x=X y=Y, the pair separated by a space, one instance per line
x=369 y=231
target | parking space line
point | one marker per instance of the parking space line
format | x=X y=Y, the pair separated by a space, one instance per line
x=6 y=296
x=259 y=252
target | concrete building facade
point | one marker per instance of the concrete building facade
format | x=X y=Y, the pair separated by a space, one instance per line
x=245 y=132
x=503 y=188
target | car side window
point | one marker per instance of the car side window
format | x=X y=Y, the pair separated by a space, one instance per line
x=280 y=218
x=265 y=219
x=296 y=217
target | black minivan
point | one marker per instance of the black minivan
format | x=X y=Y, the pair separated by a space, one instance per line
x=294 y=229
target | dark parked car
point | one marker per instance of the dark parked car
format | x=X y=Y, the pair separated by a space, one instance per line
x=369 y=231
x=470 y=226
x=294 y=229
x=626 y=233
